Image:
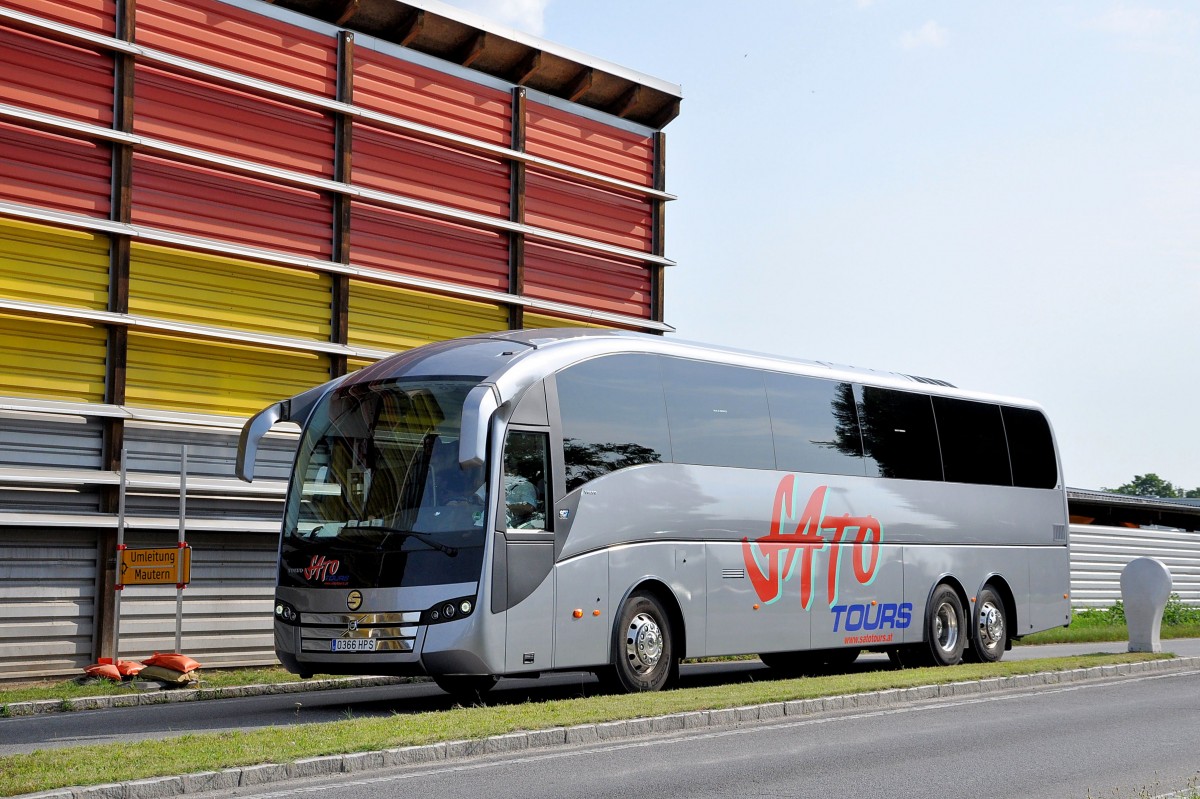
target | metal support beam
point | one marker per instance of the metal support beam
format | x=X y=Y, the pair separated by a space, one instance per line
x=121 y=202
x=516 y=210
x=658 y=210
x=342 y=170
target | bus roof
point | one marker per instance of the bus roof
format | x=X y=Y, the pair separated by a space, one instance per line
x=511 y=361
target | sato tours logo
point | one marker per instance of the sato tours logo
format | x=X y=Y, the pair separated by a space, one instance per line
x=322 y=570
x=800 y=528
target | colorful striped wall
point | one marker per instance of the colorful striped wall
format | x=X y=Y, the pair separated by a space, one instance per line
x=207 y=205
x=264 y=143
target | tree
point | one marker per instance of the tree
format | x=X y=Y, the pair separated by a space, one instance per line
x=1151 y=485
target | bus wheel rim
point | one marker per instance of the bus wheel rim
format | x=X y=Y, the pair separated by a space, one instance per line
x=991 y=625
x=643 y=643
x=946 y=628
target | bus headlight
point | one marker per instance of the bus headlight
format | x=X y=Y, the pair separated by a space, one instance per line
x=452 y=610
x=286 y=613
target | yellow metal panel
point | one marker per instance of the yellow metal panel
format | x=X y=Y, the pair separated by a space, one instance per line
x=211 y=377
x=535 y=321
x=390 y=318
x=50 y=265
x=225 y=292
x=52 y=360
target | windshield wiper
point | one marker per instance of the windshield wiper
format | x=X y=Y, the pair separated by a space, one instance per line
x=428 y=540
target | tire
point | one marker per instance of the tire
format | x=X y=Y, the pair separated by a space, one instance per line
x=643 y=647
x=467 y=689
x=989 y=629
x=839 y=659
x=945 y=628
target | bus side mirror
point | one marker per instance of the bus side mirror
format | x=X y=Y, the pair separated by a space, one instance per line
x=478 y=407
x=252 y=432
x=297 y=409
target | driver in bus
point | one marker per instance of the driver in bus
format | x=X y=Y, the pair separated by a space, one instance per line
x=522 y=507
x=521 y=504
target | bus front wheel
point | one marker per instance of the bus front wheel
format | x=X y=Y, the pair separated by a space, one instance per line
x=643 y=649
x=467 y=689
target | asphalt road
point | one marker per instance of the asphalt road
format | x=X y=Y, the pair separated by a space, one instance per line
x=1133 y=736
x=54 y=730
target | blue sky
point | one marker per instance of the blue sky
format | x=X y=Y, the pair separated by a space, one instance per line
x=1005 y=196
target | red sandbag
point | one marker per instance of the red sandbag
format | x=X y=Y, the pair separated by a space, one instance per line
x=172 y=660
x=105 y=670
x=129 y=668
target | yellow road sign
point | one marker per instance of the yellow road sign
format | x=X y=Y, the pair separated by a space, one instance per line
x=171 y=566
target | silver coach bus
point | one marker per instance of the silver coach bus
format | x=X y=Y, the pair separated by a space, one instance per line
x=599 y=500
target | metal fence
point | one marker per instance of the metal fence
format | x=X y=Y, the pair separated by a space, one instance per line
x=1098 y=554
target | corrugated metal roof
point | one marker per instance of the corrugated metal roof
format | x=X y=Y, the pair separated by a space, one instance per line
x=467 y=39
x=1107 y=507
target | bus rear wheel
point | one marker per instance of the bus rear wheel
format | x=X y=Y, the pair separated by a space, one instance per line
x=643 y=648
x=945 y=627
x=467 y=689
x=989 y=632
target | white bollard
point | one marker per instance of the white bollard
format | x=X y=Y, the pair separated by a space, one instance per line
x=1145 y=589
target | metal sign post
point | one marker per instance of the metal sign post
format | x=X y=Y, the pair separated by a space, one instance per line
x=183 y=458
x=116 y=645
x=152 y=566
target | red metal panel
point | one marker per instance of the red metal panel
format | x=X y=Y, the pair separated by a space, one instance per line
x=408 y=244
x=603 y=284
x=203 y=202
x=232 y=38
x=54 y=171
x=44 y=75
x=590 y=211
x=403 y=165
x=94 y=15
x=396 y=87
x=226 y=121
x=589 y=145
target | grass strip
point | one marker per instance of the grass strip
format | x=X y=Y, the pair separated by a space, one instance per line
x=97 y=764
x=1079 y=633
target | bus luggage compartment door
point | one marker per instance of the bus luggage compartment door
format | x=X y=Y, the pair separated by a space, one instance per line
x=582 y=623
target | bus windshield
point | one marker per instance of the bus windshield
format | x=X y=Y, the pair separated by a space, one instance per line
x=378 y=497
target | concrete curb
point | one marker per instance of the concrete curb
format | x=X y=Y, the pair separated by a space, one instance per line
x=171 y=695
x=594 y=733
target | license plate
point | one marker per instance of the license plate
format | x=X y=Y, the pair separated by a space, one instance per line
x=352 y=645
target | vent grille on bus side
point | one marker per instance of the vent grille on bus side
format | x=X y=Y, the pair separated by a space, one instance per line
x=733 y=574
x=1060 y=532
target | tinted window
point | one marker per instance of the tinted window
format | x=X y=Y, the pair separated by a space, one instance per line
x=612 y=416
x=972 y=439
x=815 y=425
x=1030 y=448
x=525 y=472
x=899 y=434
x=718 y=414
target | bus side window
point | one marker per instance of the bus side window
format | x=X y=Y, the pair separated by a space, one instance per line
x=1031 y=448
x=899 y=434
x=526 y=472
x=971 y=435
x=613 y=416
